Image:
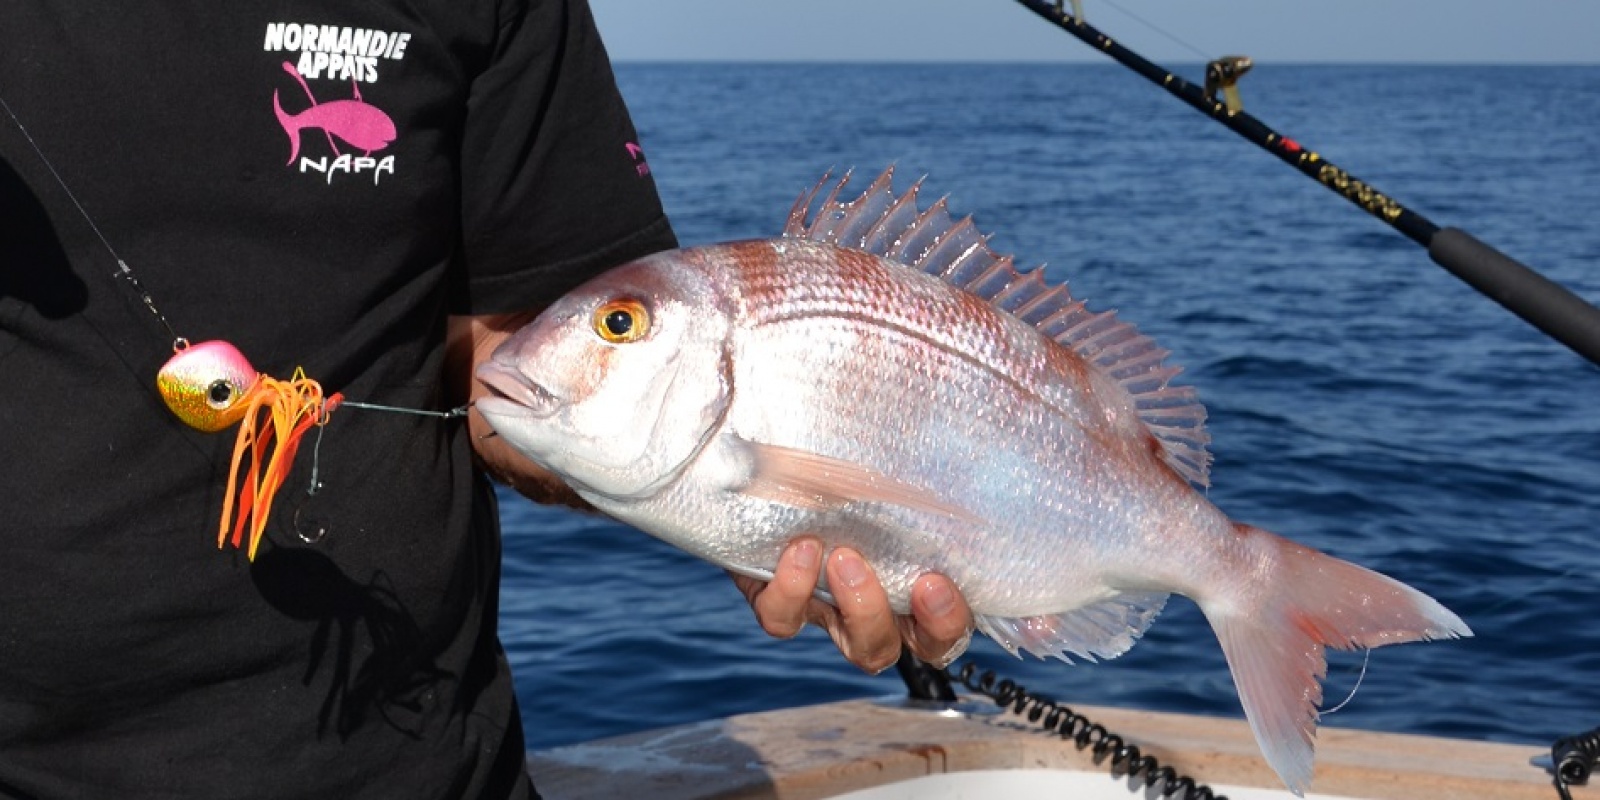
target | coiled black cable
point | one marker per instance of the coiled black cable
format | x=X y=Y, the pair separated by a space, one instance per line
x=1574 y=758
x=1126 y=759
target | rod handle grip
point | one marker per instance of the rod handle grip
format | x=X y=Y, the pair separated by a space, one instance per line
x=1545 y=304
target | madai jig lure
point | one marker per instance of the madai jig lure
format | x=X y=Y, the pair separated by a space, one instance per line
x=211 y=386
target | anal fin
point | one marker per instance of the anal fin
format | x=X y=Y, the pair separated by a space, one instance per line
x=1098 y=631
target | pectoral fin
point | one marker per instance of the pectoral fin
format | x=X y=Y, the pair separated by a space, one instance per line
x=812 y=481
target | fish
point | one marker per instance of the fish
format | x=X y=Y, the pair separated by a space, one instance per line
x=355 y=121
x=879 y=378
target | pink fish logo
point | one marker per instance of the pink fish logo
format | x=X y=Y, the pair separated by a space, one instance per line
x=637 y=154
x=355 y=122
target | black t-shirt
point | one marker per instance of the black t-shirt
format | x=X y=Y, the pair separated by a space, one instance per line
x=319 y=182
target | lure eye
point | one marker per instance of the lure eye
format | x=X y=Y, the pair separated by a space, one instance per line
x=621 y=321
x=219 y=394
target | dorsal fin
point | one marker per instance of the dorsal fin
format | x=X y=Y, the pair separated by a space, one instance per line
x=889 y=225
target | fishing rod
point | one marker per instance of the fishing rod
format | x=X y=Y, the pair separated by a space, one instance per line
x=1543 y=303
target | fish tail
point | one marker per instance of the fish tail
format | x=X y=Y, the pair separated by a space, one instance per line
x=1274 y=644
x=289 y=127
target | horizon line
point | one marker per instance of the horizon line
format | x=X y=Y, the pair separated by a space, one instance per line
x=700 y=61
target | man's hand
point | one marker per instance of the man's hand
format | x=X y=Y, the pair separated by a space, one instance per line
x=864 y=629
x=470 y=341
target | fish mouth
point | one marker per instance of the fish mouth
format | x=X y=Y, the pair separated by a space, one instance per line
x=514 y=394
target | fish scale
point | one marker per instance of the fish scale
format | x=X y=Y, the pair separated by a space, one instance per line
x=881 y=380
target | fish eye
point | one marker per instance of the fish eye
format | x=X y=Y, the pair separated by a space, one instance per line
x=219 y=394
x=622 y=320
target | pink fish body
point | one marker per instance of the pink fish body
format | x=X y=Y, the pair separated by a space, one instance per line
x=879 y=378
x=354 y=122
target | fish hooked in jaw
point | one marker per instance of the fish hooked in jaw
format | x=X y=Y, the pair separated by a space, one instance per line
x=515 y=394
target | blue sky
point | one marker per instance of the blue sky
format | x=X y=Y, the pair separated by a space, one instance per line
x=1284 y=31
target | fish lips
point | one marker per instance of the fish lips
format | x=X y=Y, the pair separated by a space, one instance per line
x=515 y=394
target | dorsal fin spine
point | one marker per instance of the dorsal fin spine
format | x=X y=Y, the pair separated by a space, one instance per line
x=1150 y=381
x=960 y=272
x=924 y=234
x=1022 y=292
x=1112 y=344
x=948 y=250
x=1142 y=367
x=888 y=225
x=796 y=224
x=903 y=236
x=1062 y=319
x=995 y=281
x=1044 y=304
x=885 y=236
x=1081 y=335
x=866 y=214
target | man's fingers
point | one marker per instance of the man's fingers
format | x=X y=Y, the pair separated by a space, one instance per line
x=940 y=626
x=864 y=629
x=781 y=604
x=863 y=626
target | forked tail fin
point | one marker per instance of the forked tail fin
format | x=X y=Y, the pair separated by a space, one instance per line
x=1275 y=643
x=289 y=127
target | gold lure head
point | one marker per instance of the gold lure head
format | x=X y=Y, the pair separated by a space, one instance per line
x=205 y=385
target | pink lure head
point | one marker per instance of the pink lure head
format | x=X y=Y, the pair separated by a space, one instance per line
x=205 y=385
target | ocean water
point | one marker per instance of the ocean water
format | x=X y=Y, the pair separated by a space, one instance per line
x=1362 y=401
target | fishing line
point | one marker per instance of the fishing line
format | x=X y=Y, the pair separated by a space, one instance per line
x=1367 y=659
x=1152 y=26
x=458 y=411
x=1527 y=593
x=124 y=271
x=59 y=180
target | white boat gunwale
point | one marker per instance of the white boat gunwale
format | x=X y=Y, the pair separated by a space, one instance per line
x=829 y=749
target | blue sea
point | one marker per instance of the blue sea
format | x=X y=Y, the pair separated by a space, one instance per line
x=1362 y=401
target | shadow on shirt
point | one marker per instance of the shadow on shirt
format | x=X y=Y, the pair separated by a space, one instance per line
x=33 y=266
x=393 y=678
